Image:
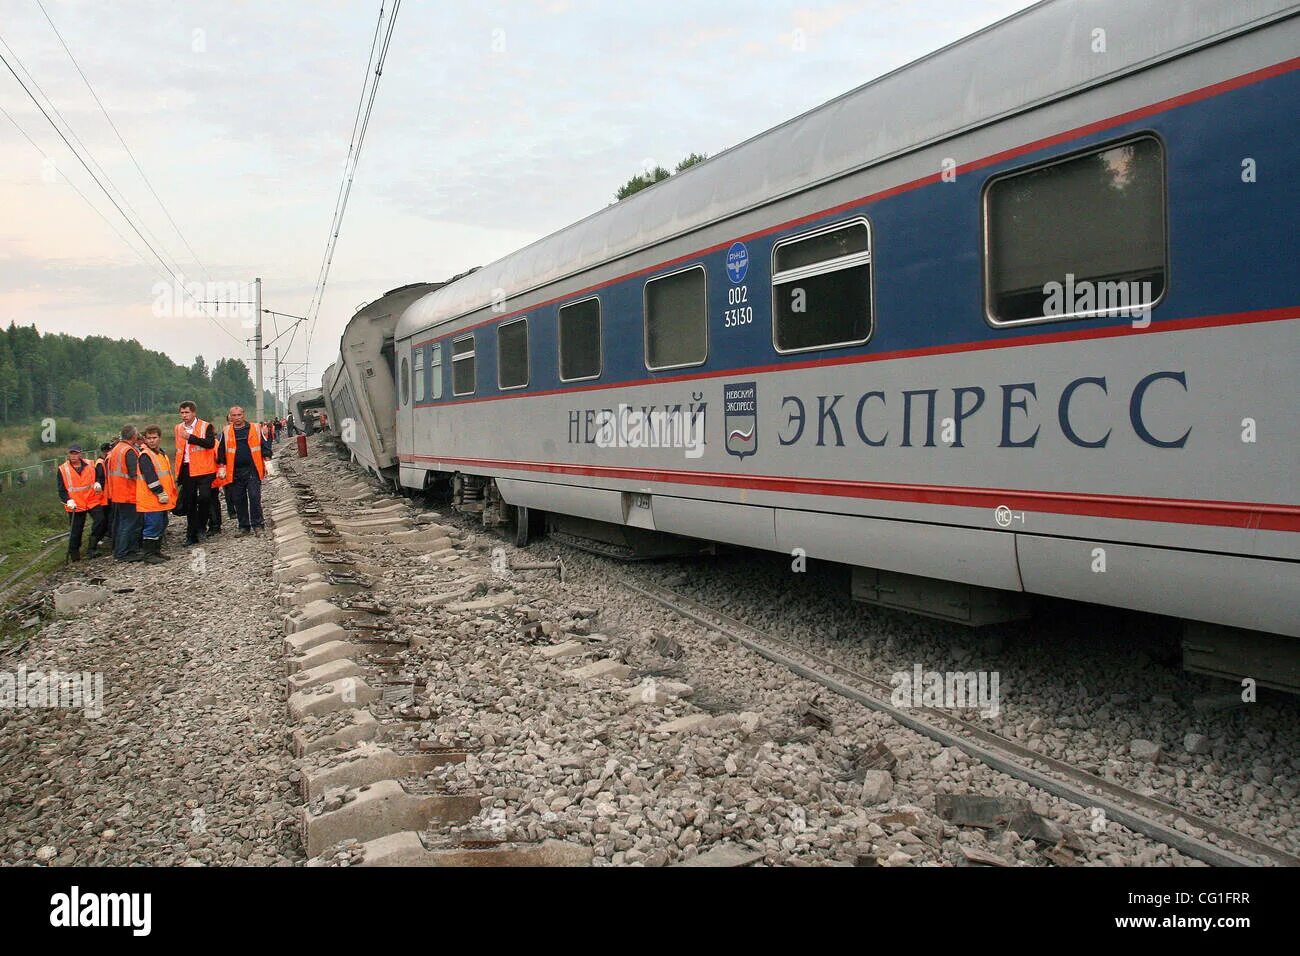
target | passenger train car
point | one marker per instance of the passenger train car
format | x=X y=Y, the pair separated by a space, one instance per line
x=1017 y=318
x=327 y=381
x=304 y=405
x=363 y=390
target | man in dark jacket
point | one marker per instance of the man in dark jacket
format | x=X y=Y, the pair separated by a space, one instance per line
x=243 y=454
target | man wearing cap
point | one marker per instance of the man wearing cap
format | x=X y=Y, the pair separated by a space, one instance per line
x=81 y=489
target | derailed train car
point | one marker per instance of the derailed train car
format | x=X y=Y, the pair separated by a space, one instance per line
x=326 y=385
x=1018 y=318
x=304 y=407
x=363 y=390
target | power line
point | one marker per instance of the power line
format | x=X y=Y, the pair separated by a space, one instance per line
x=365 y=82
x=108 y=222
x=129 y=221
x=118 y=133
x=86 y=149
x=337 y=226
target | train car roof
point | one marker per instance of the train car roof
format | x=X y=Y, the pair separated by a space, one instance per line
x=377 y=307
x=1007 y=67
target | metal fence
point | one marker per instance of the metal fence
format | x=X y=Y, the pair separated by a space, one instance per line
x=33 y=472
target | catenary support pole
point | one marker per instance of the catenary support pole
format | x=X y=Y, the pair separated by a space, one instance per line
x=257 y=348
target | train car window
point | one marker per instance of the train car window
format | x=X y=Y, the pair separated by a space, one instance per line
x=676 y=320
x=435 y=367
x=462 y=365
x=406 y=380
x=821 y=288
x=1079 y=237
x=420 y=395
x=580 y=353
x=512 y=354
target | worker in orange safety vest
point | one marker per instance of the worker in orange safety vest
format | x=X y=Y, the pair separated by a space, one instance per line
x=155 y=494
x=193 y=468
x=243 y=456
x=81 y=489
x=120 y=466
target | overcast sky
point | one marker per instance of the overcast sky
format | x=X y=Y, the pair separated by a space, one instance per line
x=495 y=124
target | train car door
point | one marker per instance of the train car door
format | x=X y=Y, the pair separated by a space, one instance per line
x=409 y=475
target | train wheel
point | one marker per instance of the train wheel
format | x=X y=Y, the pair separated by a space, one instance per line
x=522 y=529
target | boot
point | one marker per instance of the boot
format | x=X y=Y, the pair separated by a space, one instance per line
x=152 y=553
x=133 y=557
x=74 y=556
x=93 y=552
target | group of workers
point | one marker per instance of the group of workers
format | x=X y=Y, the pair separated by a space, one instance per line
x=132 y=487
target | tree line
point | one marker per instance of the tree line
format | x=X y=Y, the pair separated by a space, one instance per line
x=63 y=376
x=657 y=175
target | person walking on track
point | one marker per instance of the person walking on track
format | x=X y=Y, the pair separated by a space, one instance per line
x=243 y=455
x=155 y=494
x=195 y=464
x=81 y=488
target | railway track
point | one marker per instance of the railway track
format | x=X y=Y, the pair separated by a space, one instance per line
x=14 y=581
x=364 y=775
x=323 y=549
x=1143 y=814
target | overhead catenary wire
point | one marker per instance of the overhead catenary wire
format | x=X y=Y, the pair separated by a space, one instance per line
x=350 y=168
x=347 y=161
x=174 y=273
x=172 y=265
x=86 y=199
x=121 y=140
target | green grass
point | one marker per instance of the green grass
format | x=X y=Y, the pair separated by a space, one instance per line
x=28 y=514
x=32 y=512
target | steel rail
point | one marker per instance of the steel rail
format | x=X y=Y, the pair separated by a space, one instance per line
x=1073 y=789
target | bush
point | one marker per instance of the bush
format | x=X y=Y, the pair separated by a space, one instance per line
x=52 y=440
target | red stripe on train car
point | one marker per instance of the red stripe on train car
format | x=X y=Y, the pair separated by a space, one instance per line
x=1228 y=514
x=1080 y=334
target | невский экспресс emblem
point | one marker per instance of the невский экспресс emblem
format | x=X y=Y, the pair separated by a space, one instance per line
x=740 y=418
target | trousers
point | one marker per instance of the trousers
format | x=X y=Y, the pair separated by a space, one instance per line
x=196 y=497
x=126 y=530
x=98 y=527
x=248 y=497
x=154 y=524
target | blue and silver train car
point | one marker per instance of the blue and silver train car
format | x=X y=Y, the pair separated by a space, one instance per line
x=1018 y=318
